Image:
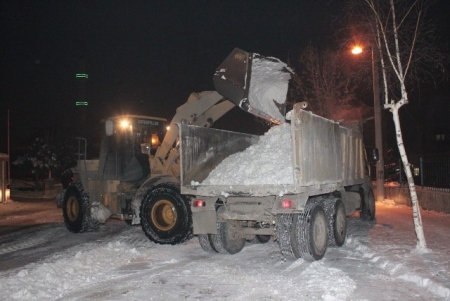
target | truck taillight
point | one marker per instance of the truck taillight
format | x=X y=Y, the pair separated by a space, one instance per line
x=199 y=203
x=286 y=204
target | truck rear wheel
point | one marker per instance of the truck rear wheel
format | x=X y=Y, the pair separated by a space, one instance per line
x=166 y=215
x=284 y=235
x=260 y=239
x=76 y=209
x=337 y=222
x=310 y=237
x=205 y=243
x=368 y=205
x=228 y=239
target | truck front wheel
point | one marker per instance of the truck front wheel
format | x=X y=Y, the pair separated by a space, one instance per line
x=166 y=215
x=76 y=209
x=337 y=222
x=368 y=205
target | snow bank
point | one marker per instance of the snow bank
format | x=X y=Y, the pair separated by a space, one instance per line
x=47 y=280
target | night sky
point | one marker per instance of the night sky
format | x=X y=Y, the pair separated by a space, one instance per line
x=142 y=57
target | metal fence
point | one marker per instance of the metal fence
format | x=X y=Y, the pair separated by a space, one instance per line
x=434 y=171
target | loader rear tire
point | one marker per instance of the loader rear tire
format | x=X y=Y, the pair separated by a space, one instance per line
x=76 y=209
x=228 y=240
x=166 y=216
x=310 y=230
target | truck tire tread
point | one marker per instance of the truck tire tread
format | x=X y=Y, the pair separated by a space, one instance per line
x=284 y=235
x=311 y=233
x=222 y=242
x=206 y=243
x=337 y=222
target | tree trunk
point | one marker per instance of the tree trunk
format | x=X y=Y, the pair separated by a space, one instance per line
x=421 y=243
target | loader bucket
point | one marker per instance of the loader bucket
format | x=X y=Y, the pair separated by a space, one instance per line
x=255 y=83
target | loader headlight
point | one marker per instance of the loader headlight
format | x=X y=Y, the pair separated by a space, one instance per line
x=125 y=124
x=155 y=141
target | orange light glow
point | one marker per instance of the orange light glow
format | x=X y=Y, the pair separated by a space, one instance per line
x=357 y=50
x=124 y=124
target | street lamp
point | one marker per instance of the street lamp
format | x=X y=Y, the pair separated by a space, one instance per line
x=377 y=112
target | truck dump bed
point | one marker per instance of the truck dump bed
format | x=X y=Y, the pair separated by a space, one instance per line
x=325 y=156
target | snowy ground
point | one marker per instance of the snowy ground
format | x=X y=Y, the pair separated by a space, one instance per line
x=117 y=262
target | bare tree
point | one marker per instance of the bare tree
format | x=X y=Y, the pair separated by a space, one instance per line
x=326 y=81
x=400 y=33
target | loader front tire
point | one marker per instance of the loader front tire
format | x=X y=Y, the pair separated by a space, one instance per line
x=76 y=209
x=166 y=215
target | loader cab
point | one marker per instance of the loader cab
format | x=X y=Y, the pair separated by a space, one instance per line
x=128 y=144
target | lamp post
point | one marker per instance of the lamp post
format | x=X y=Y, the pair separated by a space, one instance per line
x=377 y=114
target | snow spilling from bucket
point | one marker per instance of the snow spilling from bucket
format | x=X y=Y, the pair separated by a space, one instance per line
x=273 y=154
x=269 y=82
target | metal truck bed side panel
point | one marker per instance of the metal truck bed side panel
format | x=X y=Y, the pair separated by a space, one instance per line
x=317 y=151
x=202 y=149
x=326 y=157
x=325 y=152
x=353 y=159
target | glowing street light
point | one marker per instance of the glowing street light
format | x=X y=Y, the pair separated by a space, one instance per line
x=357 y=50
x=377 y=112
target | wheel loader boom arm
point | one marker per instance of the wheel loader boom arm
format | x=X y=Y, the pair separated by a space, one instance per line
x=254 y=83
x=201 y=109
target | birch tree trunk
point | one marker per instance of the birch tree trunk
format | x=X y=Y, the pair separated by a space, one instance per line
x=421 y=242
x=399 y=59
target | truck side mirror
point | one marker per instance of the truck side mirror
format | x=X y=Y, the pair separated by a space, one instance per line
x=109 y=127
x=375 y=155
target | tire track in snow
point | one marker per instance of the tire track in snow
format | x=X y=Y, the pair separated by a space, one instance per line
x=397 y=270
x=129 y=278
x=45 y=235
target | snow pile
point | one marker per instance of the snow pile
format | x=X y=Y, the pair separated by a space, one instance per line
x=267 y=162
x=65 y=274
x=269 y=82
x=378 y=262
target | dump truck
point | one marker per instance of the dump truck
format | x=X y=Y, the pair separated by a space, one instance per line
x=137 y=173
x=321 y=178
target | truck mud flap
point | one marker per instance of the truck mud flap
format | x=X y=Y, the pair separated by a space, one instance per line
x=255 y=83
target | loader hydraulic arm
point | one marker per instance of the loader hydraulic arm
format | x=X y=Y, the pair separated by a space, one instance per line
x=201 y=109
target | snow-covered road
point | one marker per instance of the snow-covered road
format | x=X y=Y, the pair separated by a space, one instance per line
x=378 y=262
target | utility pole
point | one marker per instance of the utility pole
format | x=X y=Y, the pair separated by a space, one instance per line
x=378 y=131
x=9 y=153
